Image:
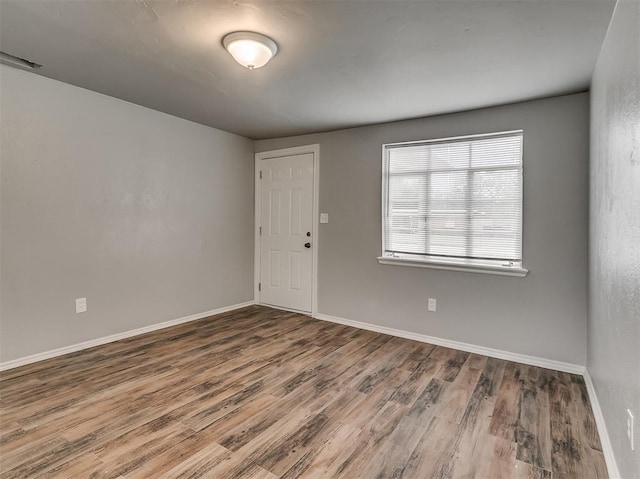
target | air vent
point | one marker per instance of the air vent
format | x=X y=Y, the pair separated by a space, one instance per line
x=14 y=61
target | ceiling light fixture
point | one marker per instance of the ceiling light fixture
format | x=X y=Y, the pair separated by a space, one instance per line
x=251 y=50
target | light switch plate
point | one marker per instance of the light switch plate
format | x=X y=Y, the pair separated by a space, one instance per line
x=324 y=217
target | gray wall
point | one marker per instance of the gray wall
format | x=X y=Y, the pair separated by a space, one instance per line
x=614 y=256
x=148 y=216
x=543 y=314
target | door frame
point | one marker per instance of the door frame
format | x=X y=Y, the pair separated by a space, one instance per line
x=315 y=229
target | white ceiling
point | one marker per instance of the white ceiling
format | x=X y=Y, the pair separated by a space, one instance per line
x=339 y=64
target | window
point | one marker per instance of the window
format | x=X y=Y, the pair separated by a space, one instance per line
x=454 y=203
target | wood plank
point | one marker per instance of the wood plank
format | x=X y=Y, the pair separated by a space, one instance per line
x=524 y=470
x=505 y=414
x=498 y=458
x=533 y=434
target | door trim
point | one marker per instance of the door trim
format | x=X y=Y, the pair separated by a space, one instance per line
x=315 y=229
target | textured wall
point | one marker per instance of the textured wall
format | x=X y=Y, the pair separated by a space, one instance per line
x=543 y=314
x=147 y=216
x=614 y=278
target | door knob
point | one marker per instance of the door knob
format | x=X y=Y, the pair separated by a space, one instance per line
x=307 y=245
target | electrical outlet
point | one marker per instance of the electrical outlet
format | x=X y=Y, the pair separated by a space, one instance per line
x=432 y=304
x=81 y=305
x=630 y=429
x=324 y=217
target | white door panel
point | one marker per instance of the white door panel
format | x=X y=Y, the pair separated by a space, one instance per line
x=286 y=205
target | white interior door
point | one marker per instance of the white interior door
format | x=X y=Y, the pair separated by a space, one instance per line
x=286 y=242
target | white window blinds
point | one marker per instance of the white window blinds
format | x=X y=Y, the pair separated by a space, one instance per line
x=456 y=199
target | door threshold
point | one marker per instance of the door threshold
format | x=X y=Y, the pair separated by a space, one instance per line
x=305 y=313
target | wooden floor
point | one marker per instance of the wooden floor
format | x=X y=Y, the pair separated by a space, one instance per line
x=261 y=393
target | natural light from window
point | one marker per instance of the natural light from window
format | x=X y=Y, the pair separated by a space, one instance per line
x=454 y=201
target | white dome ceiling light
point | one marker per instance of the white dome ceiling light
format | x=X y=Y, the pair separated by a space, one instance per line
x=251 y=50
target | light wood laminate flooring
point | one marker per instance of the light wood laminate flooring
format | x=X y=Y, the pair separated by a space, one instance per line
x=263 y=393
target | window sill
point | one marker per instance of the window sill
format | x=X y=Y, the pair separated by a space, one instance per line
x=475 y=268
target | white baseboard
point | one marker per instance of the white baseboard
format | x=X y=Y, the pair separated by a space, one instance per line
x=115 y=337
x=605 y=442
x=470 y=348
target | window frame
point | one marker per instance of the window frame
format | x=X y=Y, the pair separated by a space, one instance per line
x=455 y=264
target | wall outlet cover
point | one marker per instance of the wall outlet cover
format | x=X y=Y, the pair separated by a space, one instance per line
x=324 y=217
x=432 y=304
x=81 y=305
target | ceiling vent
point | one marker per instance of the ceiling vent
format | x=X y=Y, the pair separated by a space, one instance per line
x=7 y=59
